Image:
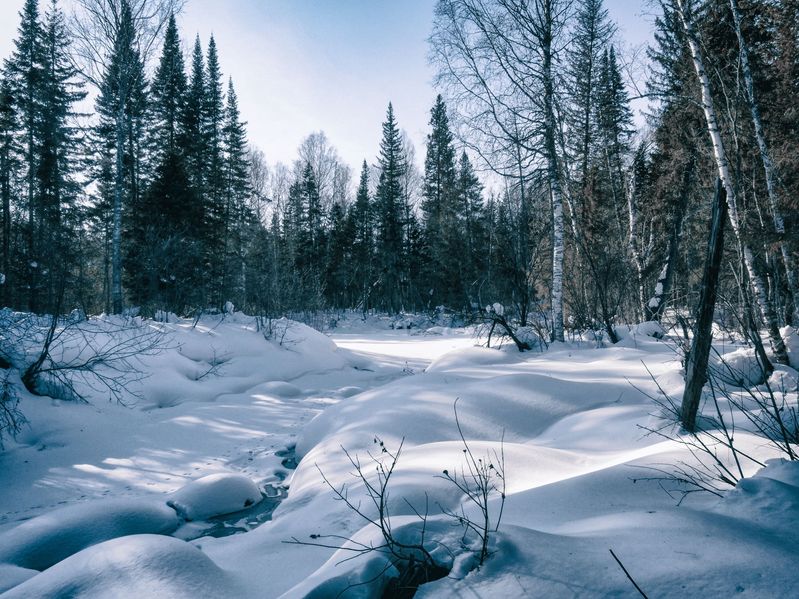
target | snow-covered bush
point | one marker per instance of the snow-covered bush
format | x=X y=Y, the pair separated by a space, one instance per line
x=11 y=419
x=72 y=357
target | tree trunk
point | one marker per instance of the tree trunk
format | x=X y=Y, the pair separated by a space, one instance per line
x=765 y=155
x=657 y=303
x=696 y=366
x=635 y=250
x=555 y=183
x=116 y=235
x=755 y=280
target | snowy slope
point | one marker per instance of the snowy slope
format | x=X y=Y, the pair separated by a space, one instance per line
x=571 y=421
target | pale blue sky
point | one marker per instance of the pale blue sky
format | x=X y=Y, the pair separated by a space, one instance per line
x=305 y=65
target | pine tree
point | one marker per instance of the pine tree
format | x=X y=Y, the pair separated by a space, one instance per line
x=389 y=208
x=25 y=72
x=58 y=156
x=214 y=199
x=440 y=213
x=237 y=189
x=121 y=106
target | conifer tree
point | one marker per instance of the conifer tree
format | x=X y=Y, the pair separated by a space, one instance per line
x=475 y=229
x=237 y=216
x=439 y=210
x=193 y=140
x=8 y=168
x=362 y=218
x=58 y=155
x=339 y=277
x=214 y=199
x=25 y=73
x=592 y=33
x=168 y=94
x=389 y=209
x=122 y=107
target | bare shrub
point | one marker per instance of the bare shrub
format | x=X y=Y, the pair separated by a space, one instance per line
x=72 y=357
x=480 y=480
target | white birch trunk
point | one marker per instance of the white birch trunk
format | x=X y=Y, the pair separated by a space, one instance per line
x=756 y=282
x=632 y=211
x=765 y=155
x=554 y=174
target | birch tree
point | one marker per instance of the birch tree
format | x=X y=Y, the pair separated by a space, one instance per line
x=772 y=179
x=683 y=9
x=502 y=57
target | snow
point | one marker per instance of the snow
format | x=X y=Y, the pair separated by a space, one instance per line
x=41 y=542
x=132 y=567
x=214 y=495
x=225 y=406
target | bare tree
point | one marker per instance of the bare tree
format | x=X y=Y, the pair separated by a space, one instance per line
x=95 y=26
x=502 y=58
x=684 y=9
x=772 y=179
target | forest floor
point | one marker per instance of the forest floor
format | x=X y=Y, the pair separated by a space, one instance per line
x=101 y=499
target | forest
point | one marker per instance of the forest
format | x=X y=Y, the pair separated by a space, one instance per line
x=154 y=199
x=583 y=287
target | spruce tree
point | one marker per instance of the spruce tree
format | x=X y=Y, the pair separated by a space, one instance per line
x=193 y=142
x=25 y=72
x=121 y=106
x=362 y=217
x=59 y=152
x=475 y=238
x=389 y=208
x=214 y=198
x=238 y=217
x=8 y=168
x=168 y=94
x=440 y=213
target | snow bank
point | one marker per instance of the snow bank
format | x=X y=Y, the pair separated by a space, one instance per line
x=215 y=495
x=132 y=567
x=41 y=542
x=791 y=338
x=11 y=576
x=470 y=357
x=739 y=368
x=630 y=335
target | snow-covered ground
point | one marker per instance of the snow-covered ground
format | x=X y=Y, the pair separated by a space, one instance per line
x=101 y=500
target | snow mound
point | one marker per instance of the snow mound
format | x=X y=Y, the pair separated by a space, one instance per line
x=11 y=576
x=279 y=389
x=629 y=335
x=215 y=495
x=739 y=368
x=791 y=339
x=470 y=357
x=132 y=567
x=770 y=497
x=46 y=540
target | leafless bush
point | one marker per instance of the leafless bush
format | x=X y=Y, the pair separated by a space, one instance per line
x=717 y=462
x=72 y=357
x=480 y=479
x=11 y=419
x=414 y=562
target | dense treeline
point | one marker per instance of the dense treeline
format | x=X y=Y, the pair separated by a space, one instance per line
x=537 y=87
x=156 y=200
